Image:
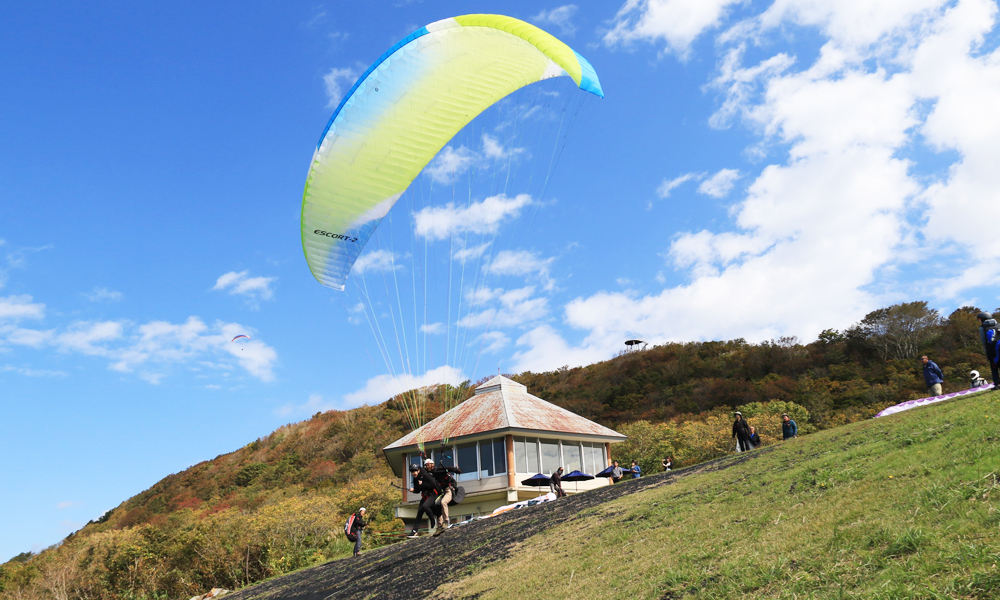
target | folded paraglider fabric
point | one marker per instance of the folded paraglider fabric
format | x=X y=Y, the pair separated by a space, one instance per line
x=524 y=503
x=930 y=400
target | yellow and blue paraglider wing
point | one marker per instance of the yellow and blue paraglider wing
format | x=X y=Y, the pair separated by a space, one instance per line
x=403 y=110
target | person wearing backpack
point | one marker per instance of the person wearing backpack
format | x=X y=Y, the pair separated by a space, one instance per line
x=741 y=431
x=447 y=487
x=428 y=488
x=354 y=528
x=990 y=337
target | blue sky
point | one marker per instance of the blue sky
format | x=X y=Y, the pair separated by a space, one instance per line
x=756 y=170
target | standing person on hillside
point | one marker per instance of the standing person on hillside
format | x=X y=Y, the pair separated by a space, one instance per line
x=668 y=463
x=636 y=470
x=425 y=485
x=933 y=376
x=357 y=528
x=788 y=427
x=555 y=483
x=616 y=472
x=989 y=334
x=741 y=431
x=754 y=438
x=447 y=485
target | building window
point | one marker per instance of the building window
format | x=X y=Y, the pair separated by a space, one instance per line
x=550 y=456
x=571 y=456
x=526 y=455
x=594 y=460
x=492 y=457
x=467 y=462
x=500 y=456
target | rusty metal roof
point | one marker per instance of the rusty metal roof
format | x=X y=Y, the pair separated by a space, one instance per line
x=499 y=404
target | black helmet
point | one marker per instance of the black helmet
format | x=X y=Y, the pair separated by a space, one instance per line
x=414 y=467
x=984 y=316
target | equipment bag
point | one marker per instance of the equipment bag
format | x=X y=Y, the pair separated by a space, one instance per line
x=347 y=529
x=993 y=343
x=458 y=496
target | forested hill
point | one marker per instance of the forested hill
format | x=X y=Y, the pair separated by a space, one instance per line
x=278 y=503
x=839 y=375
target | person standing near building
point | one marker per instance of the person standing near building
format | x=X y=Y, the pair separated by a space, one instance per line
x=357 y=528
x=933 y=376
x=555 y=483
x=989 y=334
x=741 y=431
x=636 y=470
x=788 y=427
x=616 y=472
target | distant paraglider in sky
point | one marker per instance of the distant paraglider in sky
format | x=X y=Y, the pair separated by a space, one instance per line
x=240 y=337
x=446 y=83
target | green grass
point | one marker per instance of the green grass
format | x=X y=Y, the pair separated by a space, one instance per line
x=898 y=507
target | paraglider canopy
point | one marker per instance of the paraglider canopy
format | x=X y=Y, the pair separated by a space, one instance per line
x=241 y=336
x=403 y=110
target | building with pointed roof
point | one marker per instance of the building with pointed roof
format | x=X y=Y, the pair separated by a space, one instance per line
x=499 y=437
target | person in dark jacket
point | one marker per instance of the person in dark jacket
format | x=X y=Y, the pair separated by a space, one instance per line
x=988 y=332
x=933 y=376
x=357 y=528
x=741 y=431
x=788 y=427
x=555 y=483
x=425 y=485
x=754 y=438
x=447 y=485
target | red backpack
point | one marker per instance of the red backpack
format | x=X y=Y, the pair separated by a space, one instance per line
x=347 y=529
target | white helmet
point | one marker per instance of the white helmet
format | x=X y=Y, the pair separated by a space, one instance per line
x=974 y=374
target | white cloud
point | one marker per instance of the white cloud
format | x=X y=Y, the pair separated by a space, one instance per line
x=337 y=82
x=15 y=308
x=720 y=184
x=668 y=185
x=432 y=328
x=522 y=262
x=67 y=504
x=561 y=17
x=381 y=388
x=151 y=350
x=316 y=403
x=441 y=222
x=547 y=350
x=494 y=150
x=450 y=163
x=675 y=22
x=494 y=308
x=463 y=254
x=29 y=372
x=89 y=337
x=254 y=288
x=492 y=342
x=29 y=337
x=376 y=260
x=103 y=294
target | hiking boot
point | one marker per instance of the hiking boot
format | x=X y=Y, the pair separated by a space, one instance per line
x=413 y=534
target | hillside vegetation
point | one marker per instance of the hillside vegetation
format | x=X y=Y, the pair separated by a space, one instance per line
x=278 y=504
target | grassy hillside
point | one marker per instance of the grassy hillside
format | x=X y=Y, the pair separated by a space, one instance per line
x=899 y=507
